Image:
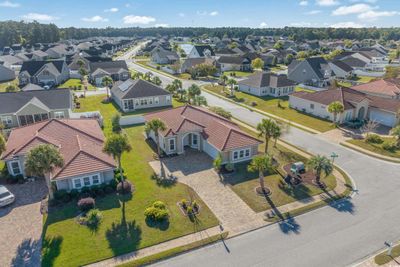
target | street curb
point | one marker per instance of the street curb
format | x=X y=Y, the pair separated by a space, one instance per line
x=369 y=153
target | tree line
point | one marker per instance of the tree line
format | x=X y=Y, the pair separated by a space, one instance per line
x=12 y=32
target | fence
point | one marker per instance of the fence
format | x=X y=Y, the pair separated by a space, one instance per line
x=369 y=73
x=131 y=120
x=313 y=88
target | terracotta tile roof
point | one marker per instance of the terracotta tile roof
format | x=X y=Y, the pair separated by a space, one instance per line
x=218 y=131
x=389 y=87
x=80 y=142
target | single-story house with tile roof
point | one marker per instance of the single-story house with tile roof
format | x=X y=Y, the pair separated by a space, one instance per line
x=80 y=143
x=267 y=84
x=229 y=63
x=43 y=72
x=117 y=70
x=388 y=88
x=197 y=128
x=137 y=94
x=22 y=108
x=357 y=105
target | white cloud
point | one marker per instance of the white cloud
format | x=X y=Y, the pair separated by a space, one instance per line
x=263 y=25
x=9 y=4
x=132 y=19
x=162 y=25
x=205 y=13
x=214 y=13
x=301 y=24
x=373 y=15
x=113 y=9
x=366 y=1
x=39 y=17
x=303 y=3
x=95 y=19
x=327 y=2
x=348 y=24
x=181 y=15
x=353 y=9
x=313 y=12
x=128 y=5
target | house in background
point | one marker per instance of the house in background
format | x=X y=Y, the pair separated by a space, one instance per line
x=137 y=94
x=387 y=88
x=6 y=74
x=23 y=108
x=314 y=71
x=49 y=73
x=117 y=70
x=190 y=127
x=39 y=55
x=190 y=63
x=357 y=105
x=80 y=143
x=201 y=51
x=232 y=63
x=267 y=84
x=341 y=69
x=11 y=62
x=163 y=56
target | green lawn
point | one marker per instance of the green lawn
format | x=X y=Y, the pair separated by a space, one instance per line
x=243 y=182
x=376 y=148
x=270 y=105
x=278 y=68
x=4 y=85
x=384 y=258
x=71 y=83
x=123 y=228
x=364 y=79
x=238 y=73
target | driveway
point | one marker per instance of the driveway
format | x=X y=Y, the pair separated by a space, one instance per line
x=195 y=170
x=21 y=225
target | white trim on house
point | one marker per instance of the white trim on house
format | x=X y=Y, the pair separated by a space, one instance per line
x=241 y=154
x=11 y=168
x=86 y=181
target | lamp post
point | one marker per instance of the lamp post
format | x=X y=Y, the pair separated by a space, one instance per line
x=333 y=156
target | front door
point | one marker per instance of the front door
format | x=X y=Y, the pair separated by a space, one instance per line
x=195 y=141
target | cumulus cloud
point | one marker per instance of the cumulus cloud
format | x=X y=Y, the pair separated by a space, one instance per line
x=348 y=24
x=132 y=19
x=39 y=17
x=313 y=12
x=327 y=2
x=373 y=15
x=353 y=9
x=301 y=24
x=113 y=9
x=9 y=4
x=303 y=3
x=95 y=19
x=214 y=13
x=162 y=25
x=263 y=25
x=205 y=13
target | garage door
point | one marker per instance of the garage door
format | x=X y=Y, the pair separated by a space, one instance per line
x=382 y=117
x=210 y=150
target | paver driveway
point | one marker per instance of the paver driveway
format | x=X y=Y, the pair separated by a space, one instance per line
x=195 y=169
x=21 y=225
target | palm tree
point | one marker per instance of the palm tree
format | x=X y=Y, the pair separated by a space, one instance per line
x=41 y=161
x=137 y=75
x=148 y=75
x=277 y=132
x=193 y=91
x=335 y=108
x=267 y=128
x=223 y=78
x=2 y=143
x=177 y=83
x=320 y=164
x=156 y=126
x=80 y=63
x=232 y=83
x=396 y=133
x=199 y=100
x=156 y=80
x=261 y=163
x=115 y=146
x=107 y=81
x=171 y=88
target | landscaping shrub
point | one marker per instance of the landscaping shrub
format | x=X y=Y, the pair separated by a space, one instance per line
x=184 y=204
x=11 y=179
x=93 y=217
x=59 y=194
x=74 y=193
x=20 y=178
x=125 y=187
x=390 y=146
x=116 y=171
x=99 y=191
x=118 y=177
x=156 y=212
x=253 y=103
x=116 y=127
x=85 y=204
x=108 y=189
x=229 y=167
x=374 y=139
x=113 y=183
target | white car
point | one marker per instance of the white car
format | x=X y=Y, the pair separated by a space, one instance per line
x=6 y=197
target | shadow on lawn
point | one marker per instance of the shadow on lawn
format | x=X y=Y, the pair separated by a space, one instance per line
x=51 y=248
x=300 y=192
x=124 y=236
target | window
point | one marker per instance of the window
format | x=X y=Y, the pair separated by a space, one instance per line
x=235 y=155
x=241 y=154
x=45 y=72
x=156 y=100
x=95 y=179
x=273 y=91
x=59 y=114
x=150 y=101
x=312 y=106
x=247 y=153
x=37 y=117
x=45 y=116
x=29 y=119
x=6 y=120
x=15 y=167
x=86 y=181
x=172 y=144
x=168 y=98
x=77 y=183
x=22 y=120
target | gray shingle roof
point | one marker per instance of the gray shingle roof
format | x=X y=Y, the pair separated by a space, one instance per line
x=136 y=89
x=53 y=99
x=110 y=66
x=264 y=79
x=32 y=67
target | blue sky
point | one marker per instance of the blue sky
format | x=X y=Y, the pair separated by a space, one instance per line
x=207 y=13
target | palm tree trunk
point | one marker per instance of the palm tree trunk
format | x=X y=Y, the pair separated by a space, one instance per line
x=266 y=145
x=261 y=179
x=48 y=183
x=318 y=177
x=159 y=156
x=275 y=140
x=121 y=174
x=108 y=94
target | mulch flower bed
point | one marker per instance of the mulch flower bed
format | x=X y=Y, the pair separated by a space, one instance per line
x=262 y=193
x=195 y=210
x=307 y=177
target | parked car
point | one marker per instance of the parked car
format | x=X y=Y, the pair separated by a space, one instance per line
x=6 y=197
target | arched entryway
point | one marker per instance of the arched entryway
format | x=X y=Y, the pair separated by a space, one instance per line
x=191 y=140
x=361 y=114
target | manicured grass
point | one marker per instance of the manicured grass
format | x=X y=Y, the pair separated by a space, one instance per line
x=174 y=252
x=4 y=85
x=383 y=258
x=301 y=89
x=243 y=183
x=72 y=83
x=364 y=79
x=123 y=228
x=235 y=73
x=278 y=68
x=270 y=105
x=376 y=148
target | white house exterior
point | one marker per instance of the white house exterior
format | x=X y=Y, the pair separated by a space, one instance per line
x=267 y=84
